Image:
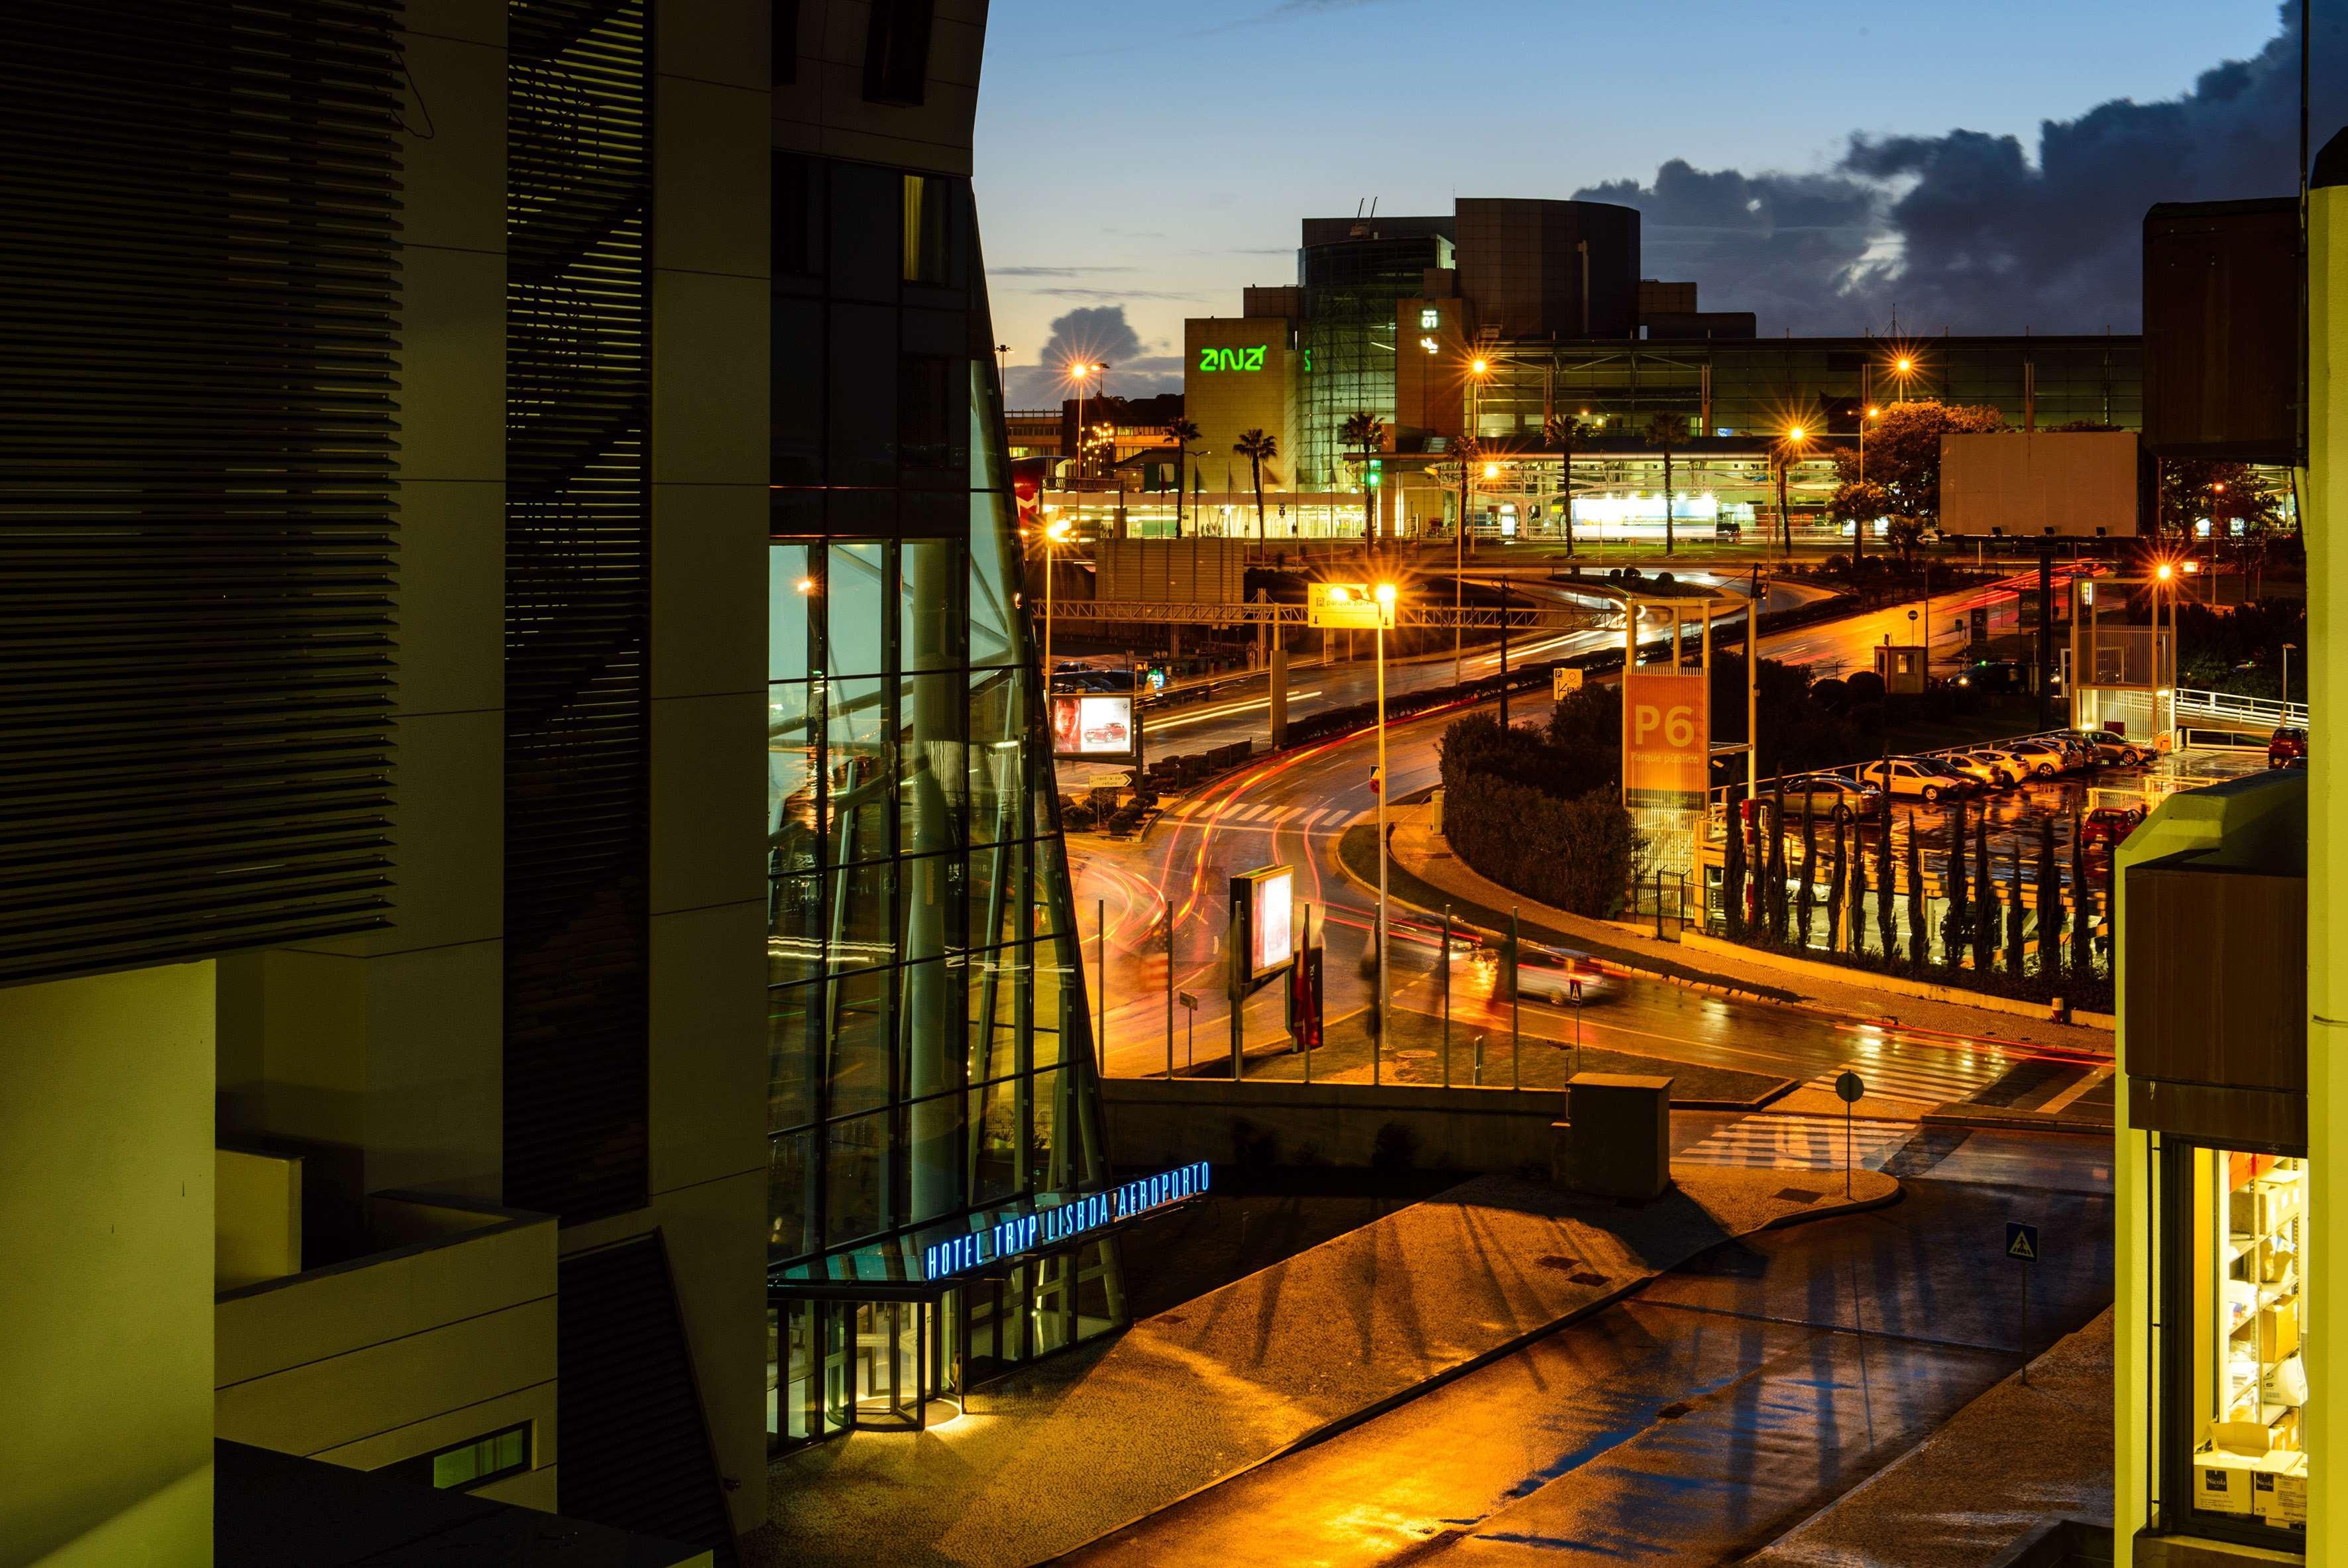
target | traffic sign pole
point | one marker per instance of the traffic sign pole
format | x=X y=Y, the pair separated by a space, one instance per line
x=1848 y=1088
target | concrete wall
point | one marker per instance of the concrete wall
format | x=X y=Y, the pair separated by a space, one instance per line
x=425 y=1345
x=1155 y=1121
x=256 y=1217
x=105 y=1361
x=822 y=109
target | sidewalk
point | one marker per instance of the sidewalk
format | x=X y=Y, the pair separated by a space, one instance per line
x=2015 y=1458
x=1427 y=858
x=1080 y=1445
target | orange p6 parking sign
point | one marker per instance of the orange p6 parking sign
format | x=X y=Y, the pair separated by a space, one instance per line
x=1666 y=738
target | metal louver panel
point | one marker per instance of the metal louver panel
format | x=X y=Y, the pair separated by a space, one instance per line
x=578 y=609
x=198 y=421
x=636 y=1453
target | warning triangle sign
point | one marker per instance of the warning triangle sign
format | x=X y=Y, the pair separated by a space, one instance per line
x=2021 y=1242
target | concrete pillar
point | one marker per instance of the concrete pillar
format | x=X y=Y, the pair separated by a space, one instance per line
x=1278 y=696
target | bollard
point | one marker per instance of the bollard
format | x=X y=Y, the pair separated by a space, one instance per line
x=1478 y=1079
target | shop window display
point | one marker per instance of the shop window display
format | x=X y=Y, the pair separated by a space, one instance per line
x=2241 y=1239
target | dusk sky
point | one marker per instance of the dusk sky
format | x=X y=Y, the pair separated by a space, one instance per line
x=1133 y=172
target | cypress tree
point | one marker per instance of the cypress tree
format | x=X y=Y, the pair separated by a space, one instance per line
x=1806 y=897
x=2014 y=957
x=1957 y=925
x=1920 y=940
x=1855 y=930
x=2050 y=904
x=1984 y=897
x=1885 y=934
x=2083 y=950
x=1774 y=895
x=1839 y=886
x=1732 y=876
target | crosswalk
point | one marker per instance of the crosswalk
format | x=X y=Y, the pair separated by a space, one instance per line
x=1919 y=1080
x=1278 y=819
x=1797 y=1143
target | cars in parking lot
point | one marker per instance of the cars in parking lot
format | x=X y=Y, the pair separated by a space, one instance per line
x=2287 y=747
x=2006 y=768
x=2107 y=825
x=1984 y=769
x=2105 y=749
x=1832 y=795
x=2042 y=756
x=1917 y=778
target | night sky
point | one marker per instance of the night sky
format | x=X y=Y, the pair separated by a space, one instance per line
x=1982 y=167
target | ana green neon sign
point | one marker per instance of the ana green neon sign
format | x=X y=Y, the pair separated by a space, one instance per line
x=1232 y=358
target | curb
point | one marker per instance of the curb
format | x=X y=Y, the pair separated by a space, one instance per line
x=2016 y=1122
x=1339 y=1426
x=1889 y=985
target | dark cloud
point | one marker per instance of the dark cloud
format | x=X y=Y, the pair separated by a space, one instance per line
x=1053 y=271
x=1970 y=232
x=1097 y=333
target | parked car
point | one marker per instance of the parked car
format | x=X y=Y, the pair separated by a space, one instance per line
x=1915 y=778
x=2109 y=750
x=2013 y=764
x=1558 y=976
x=1984 y=769
x=2044 y=758
x=1992 y=675
x=2107 y=825
x=1833 y=796
x=2288 y=748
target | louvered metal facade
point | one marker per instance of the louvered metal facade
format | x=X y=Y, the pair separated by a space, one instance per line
x=577 y=576
x=198 y=419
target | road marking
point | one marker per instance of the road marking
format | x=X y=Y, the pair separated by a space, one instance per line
x=2078 y=1090
x=1796 y=1143
x=1924 y=1083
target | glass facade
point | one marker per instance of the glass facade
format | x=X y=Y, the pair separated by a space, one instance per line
x=1349 y=290
x=930 y=1055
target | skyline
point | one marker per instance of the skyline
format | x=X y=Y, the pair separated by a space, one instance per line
x=2021 y=178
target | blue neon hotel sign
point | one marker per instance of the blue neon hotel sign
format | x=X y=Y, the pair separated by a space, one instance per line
x=1019 y=1233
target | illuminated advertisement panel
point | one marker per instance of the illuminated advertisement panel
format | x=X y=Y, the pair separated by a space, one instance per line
x=1264 y=905
x=1091 y=728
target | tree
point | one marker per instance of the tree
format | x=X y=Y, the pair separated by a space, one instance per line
x=1774 y=895
x=1920 y=940
x=1887 y=936
x=1907 y=535
x=1258 y=449
x=1731 y=877
x=1904 y=456
x=1984 y=897
x=1858 y=502
x=1665 y=430
x=1365 y=433
x=2193 y=489
x=2050 y=903
x=1806 y=897
x=2015 y=957
x=1838 y=888
x=1184 y=432
x=1957 y=925
x=1560 y=430
x=1854 y=924
x=2083 y=897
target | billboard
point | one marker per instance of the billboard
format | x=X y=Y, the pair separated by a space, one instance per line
x=1666 y=736
x=1263 y=907
x=1348 y=606
x=2060 y=484
x=1090 y=727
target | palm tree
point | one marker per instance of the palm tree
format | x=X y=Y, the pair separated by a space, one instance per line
x=1664 y=430
x=1258 y=449
x=1184 y=432
x=1365 y=433
x=1559 y=431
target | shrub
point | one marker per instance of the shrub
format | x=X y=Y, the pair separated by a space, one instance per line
x=1576 y=854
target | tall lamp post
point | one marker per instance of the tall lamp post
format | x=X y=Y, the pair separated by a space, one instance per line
x=1081 y=372
x=1858 y=524
x=1384 y=594
x=1477 y=369
x=1789 y=451
x=1054 y=534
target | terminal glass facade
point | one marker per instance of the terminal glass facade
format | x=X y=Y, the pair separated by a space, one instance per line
x=1348 y=341
x=930 y=1055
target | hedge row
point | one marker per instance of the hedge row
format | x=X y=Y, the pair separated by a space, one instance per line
x=1575 y=854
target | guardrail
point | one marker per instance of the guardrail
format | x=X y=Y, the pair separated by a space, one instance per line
x=2195 y=702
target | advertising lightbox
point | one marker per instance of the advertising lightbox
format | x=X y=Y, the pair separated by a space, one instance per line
x=1263 y=908
x=1090 y=727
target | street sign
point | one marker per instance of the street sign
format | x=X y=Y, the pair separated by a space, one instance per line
x=2021 y=1242
x=1347 y=606
x=1187 y=1000
x=1563 y=679
x=1850 y=1086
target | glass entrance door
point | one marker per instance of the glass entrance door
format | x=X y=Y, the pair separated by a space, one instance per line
x=888 y=1364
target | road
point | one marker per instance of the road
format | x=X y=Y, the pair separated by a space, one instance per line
x=1292 y=809
x=1710 y=1412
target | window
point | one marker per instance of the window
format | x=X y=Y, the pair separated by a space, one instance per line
x=897 y=52
x=2235 y=1266
x=925 y=230
x=463 y=1466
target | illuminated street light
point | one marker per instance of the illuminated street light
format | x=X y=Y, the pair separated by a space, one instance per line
x=1054 y=534
x=1081 y=372
x=1385 y=594
x=1481 y=367
x=1491 y=470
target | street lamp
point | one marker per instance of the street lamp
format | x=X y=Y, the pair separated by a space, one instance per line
x=1053 y=533
x=2287 y=649
x=1790 y=452
x=1081 y=372
x=1385 y=594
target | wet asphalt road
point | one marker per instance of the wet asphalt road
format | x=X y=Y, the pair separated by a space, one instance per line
x=1700 y=1418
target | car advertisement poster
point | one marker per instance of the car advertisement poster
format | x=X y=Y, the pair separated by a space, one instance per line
x=1667 y=738
x=1092 y=728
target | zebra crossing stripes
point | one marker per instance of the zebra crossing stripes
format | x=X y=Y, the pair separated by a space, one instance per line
x=1796 y=1143
x=1920 y=1082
